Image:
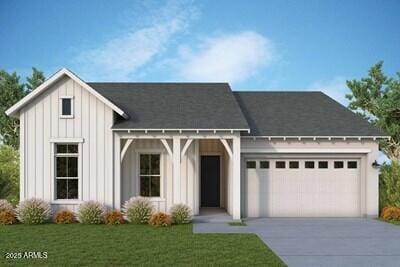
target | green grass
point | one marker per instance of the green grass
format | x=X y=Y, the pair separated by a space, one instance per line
x=392 y=222
x=237 y=223
x=103 y=245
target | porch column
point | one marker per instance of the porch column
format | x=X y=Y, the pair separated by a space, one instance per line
x=117 y=171
x=176 y=169
x=236 y=179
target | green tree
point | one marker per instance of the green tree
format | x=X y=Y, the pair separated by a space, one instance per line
x=9 y=173
x=389 y=184
x=377 y=98
x=11 y=91
x=35 y=80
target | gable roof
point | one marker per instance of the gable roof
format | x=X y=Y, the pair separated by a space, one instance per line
x=301 y=114
x=175 y=105
x=13 y=111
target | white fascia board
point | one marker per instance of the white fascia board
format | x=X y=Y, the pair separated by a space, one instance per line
x=182 y=130
x=317 y=137
x=12 y=111
x=306 y=150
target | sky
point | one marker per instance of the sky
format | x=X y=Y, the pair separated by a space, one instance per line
x=253 y=45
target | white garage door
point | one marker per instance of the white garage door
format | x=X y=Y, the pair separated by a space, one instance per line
x=303 y=188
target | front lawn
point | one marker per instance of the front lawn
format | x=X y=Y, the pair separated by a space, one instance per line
x=102 y=245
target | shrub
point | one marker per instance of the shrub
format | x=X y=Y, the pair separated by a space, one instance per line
x=389 y=184
x=114 y=217
x=9 y=173
x=7 y=217
x=90 y=212
x=64 y=217
x=391 y=213
x=138 y=210
x=181 y=214
x=33 y=211
x=5 y=205
x=160 y=219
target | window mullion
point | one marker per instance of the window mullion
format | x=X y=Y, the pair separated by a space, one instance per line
x=66 y=195
x=149 y=177
x=66 y=167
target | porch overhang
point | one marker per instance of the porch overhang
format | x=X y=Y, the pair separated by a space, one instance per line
x=180 y=131
x=176 y=144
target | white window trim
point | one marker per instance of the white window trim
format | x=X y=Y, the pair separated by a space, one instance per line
x=162 y=174
x=54 y=177
x=72 y=107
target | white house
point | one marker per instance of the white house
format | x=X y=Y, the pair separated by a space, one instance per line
x=255 y=154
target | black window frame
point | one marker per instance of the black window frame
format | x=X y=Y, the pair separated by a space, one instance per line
x=150 y=176
x=338 y=164
x=264 y=164
x=66 y=154
x=323 y=162
x=352 y=162
x=294 y=164
x=249 y=164
x=278 y=166
x=309 y=162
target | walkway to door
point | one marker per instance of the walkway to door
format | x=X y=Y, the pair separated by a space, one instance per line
x=212 y=215
x=322 y=241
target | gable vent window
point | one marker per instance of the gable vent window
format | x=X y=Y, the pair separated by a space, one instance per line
x=66 y=107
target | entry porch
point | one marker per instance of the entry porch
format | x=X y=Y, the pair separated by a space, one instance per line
x=201 y=170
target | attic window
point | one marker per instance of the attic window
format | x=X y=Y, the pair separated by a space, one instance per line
x=66 y=107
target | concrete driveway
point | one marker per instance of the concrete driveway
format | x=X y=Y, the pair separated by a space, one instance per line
x=322 y=242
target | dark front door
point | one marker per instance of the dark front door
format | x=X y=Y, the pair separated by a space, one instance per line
x=210 y=181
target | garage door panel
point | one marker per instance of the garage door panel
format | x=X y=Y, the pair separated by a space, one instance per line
x=258 y=192
x=304 y=192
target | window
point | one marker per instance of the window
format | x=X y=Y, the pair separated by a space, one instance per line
x=280 y=164
x=150 y=175
x=322 y=164
x=293 y=164
x=264 y=164
x=250 y=164
x=352 y=164
x=338 y=164
x=309 y=165
x=67 y=107
x=66 y=160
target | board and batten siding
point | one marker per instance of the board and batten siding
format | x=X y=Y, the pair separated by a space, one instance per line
x=189 y=174
x=41 y=124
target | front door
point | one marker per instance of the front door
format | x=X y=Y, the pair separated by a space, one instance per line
x=210 y=181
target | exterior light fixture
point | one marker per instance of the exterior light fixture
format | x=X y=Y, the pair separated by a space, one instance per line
x=376 y=165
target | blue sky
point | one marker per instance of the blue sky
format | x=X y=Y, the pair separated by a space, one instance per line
x=254 y=45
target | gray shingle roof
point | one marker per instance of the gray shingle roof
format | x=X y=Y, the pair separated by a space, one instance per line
x=300 y=114
x=174 y=105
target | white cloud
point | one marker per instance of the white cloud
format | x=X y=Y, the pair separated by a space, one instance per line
x=335 y=88
x=123 y=55
x=232 y=58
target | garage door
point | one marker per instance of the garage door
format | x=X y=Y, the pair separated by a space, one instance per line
x=303 y=188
